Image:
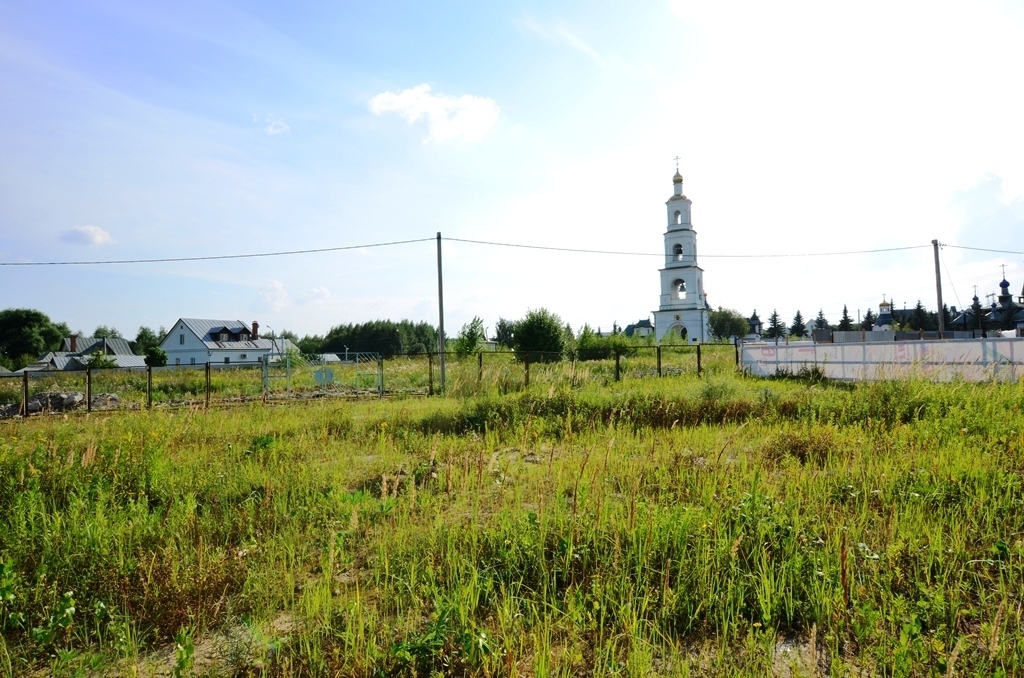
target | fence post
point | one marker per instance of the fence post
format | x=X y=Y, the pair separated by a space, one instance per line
x=430 y=379
x=288 y=374
x=658 y=351
x=527 y=363
x=149 y=387
x=24 y=394
x=207 y=383
x=699 y=370
x=266 y=377
x=736 y=344
x=88 y=389
x=380 y=377
x=480 y=366
x=618 y=374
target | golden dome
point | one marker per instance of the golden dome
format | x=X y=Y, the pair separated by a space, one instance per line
x=678 y=178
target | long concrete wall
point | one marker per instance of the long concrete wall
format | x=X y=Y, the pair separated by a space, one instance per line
x=968 y=359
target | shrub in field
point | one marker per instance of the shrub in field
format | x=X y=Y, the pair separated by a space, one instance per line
x=540 y=337
x=470 y=339
x=156 y=356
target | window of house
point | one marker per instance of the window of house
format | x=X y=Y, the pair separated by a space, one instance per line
x=193 y=361
x=177 y=361
x=181 y=338
x=244 y=356
x=227 y=361
x=224 y=336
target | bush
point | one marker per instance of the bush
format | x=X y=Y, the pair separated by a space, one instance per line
x=156 y=356
x=470 y=339
x=540 y=337
x=100 y=361
x=592 y=346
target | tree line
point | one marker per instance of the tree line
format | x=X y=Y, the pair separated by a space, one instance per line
x=729 y=322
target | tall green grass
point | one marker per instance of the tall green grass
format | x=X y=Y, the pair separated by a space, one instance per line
x=679 y=526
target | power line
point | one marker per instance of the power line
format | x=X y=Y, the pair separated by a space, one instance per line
x=220 y=257
x=708 y=256
x=950 y=276
x=211 y=257
x=979 y=249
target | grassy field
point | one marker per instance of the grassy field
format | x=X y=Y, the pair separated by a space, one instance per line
x=678 y=526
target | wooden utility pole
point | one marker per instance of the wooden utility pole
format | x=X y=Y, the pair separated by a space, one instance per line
x=440 y=311
x=938 y=290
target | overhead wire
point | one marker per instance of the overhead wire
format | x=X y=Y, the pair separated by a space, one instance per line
x=980 y=249
x=950 y=276
x=708 y=256
x=318 y=250
x=213 y=257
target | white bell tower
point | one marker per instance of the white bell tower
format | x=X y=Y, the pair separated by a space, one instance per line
x=684 y=307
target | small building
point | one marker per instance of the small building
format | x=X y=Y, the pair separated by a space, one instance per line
x=1006 y=313
x=76 y=352
x=883 y=323
x=754 y=323
x=197 y=341
x=640 y=328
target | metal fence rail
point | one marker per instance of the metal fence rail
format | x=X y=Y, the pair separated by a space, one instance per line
x=359 y=375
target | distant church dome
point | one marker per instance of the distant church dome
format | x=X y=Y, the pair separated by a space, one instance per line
x=678 y=178
x=1004 y=284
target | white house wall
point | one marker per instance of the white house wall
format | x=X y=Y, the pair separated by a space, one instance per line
x=195 y=352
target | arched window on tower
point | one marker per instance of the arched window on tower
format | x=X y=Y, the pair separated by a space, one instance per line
x=679 y=289
x=679 y=217
x=677 y=252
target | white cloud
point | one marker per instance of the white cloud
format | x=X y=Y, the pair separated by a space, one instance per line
x=86 y=235
x=276 y=126
x=274 y=295
x=561 y=34
x=316 y=295
x=466 y=117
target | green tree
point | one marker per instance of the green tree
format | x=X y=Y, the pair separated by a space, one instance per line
x=821 y=322
x=869 y=320
x=386 y=337
x=845 y=323
x=505 y=333
x=144 y=339
x=310 y=344
x=101 y=361
x=470 y=339
x=727 y=322
x=156 y=356
x=25 y=334
x=540 y=337
x=798 y=328
x=776 y=328
x=590 y=345
x=920 y=318
x=104 y=331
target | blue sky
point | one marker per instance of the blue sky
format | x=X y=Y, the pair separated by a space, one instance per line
x=134 y=130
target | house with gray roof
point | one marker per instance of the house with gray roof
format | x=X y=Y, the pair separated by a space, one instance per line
x=197 y=341
x=76 y=352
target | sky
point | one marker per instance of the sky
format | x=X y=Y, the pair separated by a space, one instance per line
x=146 y=130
